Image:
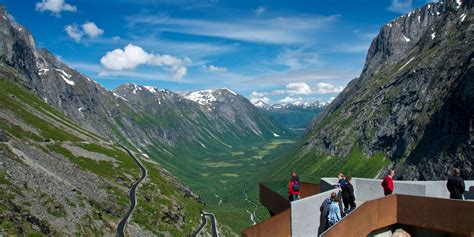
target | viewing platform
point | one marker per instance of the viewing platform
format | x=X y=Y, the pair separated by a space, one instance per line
x=422 y=208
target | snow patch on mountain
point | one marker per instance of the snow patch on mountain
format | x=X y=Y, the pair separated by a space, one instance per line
x=232 y=92
x=43 y=71
x=409 y=61
x=118 y=96
x=70 y=82
x=63 y=72
x=406 y=39
x=204 y=97
x=151 y=89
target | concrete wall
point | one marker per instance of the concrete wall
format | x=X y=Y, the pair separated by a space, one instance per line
x=327 y=184
x=469 y=194
x=305 y=214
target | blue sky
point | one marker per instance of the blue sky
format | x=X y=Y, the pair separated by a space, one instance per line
x=276 y=51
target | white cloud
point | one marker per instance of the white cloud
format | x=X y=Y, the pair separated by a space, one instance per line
x=133 y=56
x=91 y=29
x=279 y=30
x=400 y=6
x=297 y=59
x=259 y=96
x=326 y=88
x=74 y=32
x=213 y=68
x=298 y=88
x=303 y=89
x=278 y=92
x=54 y=6
x=260 y=10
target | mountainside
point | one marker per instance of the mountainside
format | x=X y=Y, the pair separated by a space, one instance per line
x=188 y=134
x=232 y=118
x=294 y=116
x=212 y=119
x=57 y=178
x=411 y=108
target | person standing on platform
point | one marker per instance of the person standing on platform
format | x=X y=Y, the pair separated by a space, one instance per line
x=456 y=185
x=387 y=183
x=294 y=187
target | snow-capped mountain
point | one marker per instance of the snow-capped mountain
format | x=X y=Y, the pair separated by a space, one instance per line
x=292 y=115
x=303 y=105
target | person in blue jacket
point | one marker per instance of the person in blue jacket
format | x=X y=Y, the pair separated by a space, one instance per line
x=334 y=214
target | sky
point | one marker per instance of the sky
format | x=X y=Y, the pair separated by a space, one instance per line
x=275 y=51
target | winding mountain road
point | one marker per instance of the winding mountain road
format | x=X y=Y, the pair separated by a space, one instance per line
x=211 y=216
x=131 y=194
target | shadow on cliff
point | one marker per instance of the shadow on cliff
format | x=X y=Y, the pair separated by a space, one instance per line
x=448 y=137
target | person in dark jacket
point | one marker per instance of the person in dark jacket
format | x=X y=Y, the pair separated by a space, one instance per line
x=350 y=191
x=345 y=195
x=294 y=187
x=456 y=185
x=324 y=209
x=348 y=197
x=341 y=180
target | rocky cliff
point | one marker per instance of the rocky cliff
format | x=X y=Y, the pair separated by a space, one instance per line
x=412 y=108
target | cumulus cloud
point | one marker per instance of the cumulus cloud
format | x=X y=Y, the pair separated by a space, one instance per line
x=326 y=88
x=260 y=10
x=301 y=88
x=213 y=68
x=54 y=6
x=298 y=88
x=91 y=29
x=259 y=96
x=74 y=32
x=133 y=56
x=400 y=6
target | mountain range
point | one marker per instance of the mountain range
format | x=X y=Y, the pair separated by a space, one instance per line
x=296 y=116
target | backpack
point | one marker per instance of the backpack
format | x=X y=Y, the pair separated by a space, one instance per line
x=296 y=185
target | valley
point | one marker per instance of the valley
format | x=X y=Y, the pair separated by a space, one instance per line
x=228 y=180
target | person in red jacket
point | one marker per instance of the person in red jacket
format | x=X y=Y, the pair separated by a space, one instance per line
x=387 y=183
x=294 y=187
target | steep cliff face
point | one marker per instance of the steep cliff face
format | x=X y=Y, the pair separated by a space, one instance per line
x=413 y=102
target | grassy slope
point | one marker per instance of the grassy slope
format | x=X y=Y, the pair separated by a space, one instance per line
x=223 y=178
x=27 y=107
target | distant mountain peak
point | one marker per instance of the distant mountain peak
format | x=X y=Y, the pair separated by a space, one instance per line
x=208 y=97
x=297 y=104
x=260 y=104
